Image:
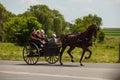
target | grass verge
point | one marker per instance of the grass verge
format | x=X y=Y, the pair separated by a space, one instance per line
x=106 y=52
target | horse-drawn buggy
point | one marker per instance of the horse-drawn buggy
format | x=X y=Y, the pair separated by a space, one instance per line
x=32 y=52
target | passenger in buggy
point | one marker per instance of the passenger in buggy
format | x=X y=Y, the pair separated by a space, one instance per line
x=53 y=40
x=37 y=36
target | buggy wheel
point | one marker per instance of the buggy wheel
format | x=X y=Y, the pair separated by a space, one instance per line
x=52 y=59
x=31 y=53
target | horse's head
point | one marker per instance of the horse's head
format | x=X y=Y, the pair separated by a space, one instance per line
x=93 y=29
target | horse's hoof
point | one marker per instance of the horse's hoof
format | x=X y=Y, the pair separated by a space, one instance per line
x=61 y=64
x=72 y=60
x=81 y=64
x=86 y=57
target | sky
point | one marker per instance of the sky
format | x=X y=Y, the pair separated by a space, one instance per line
x=108 y=10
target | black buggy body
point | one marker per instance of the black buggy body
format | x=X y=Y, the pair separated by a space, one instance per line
x=32 y=52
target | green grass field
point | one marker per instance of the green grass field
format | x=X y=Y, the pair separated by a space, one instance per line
x=112 y=31
x=106 y=52
x=9 y=51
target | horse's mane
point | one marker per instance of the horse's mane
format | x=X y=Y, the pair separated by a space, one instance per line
x=93 y=27
x=80 y=35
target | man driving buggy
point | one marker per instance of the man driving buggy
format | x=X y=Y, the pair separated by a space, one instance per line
x=38 y=37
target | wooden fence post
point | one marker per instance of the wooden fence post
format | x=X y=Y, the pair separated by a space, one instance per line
x=119 y=54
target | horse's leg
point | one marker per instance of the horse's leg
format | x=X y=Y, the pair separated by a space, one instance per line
x=69 y=52
x=63 y=49
x=82 y=57
x=89 y=54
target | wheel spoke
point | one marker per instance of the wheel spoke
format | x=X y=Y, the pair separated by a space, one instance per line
x=51 y=59
x=34 y=60
x=29 y=53
x=28 y=60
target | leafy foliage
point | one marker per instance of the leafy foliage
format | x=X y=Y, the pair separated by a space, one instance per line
x=82 y=23
x=4 y=16
x=101 y=36
x=17 y=29
x=52 y=20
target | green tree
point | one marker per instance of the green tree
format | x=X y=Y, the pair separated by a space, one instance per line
x=4 y=16
x=43 y=14
x=52 y=20
x=17 y=29
x=101 y=36
x=60 y=25
x=82 y=23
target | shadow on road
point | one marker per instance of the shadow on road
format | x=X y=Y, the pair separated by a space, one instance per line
x=47 y=64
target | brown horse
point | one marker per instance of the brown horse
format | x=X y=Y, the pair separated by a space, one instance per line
x=82 y=40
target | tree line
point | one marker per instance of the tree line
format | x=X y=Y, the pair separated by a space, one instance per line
x=16 y=28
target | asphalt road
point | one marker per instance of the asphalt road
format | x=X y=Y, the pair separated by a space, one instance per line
x=19 y=70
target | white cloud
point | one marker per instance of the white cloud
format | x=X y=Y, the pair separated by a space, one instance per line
x=116 y=1
x=113 y=2
x=89 y=1
x=31 y=2
x=89 y=10
x=81 y=1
